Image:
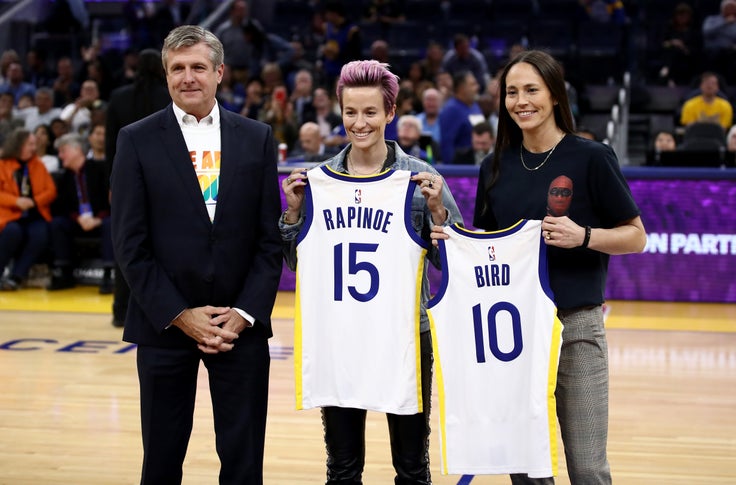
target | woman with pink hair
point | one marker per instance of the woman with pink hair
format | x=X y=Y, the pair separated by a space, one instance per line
x=366 y=91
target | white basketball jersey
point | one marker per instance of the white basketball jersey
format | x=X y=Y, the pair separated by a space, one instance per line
x=358 y=287
x=496 y=340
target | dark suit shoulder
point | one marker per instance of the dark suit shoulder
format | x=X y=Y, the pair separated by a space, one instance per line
x=153 y=121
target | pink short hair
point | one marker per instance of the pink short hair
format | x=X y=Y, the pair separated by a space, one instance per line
x=371 y=73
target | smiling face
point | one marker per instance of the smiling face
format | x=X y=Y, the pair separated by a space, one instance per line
x=364 y=116
x=528 y=99
x=193 y=79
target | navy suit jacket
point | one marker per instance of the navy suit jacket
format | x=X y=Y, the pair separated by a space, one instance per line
x=170 y=253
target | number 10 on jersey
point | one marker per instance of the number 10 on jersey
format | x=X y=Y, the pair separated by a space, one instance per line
x=491 y=321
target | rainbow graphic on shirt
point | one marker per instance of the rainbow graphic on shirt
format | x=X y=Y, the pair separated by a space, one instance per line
x=207 y=166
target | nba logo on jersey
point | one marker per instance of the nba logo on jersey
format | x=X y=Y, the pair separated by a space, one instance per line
x=491 y=253
x=358 y=196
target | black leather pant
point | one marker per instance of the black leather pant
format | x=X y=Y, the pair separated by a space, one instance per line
x=345 y=437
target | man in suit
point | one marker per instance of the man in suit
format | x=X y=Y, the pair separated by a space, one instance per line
x=82 y=209
x=195 y=205
x=132 y=102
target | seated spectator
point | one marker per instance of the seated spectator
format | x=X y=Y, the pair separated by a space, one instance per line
x=26 y=193
x=37 y=72
x=665 y=142
x=96 y=142
x=464 y=58
x=323 y=114
x=126 y=72
x=409 y=130
x=301 y=96
x=278 y=112
x=79 y=113
x=230 y=93
x=254 y=99
x=81 y=209
x=311 y=147
x=719 y=39
x=45 y=148
x=14 y=83
x=481 y=146
x=8 y=121
x=379 y=51
x=731 y=139
x=458 y=116
x=432 y=61
x=430 y=115
x=59 y=128
x=272 y=77
x=43 y=112
x=25 y=102
x=707 y=106
x=681 y=45
x=65 y=87
x=444 y=82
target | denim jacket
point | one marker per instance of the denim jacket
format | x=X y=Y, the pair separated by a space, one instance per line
x=421 y=217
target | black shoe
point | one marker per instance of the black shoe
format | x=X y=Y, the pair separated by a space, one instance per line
x=106 y=287
x=116 y=322
x=61 y=283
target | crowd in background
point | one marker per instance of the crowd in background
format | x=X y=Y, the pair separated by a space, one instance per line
x=447 y=106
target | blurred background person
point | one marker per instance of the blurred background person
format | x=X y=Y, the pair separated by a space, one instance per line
x=481 y=145
x=130 y=103
x=45 y=148
x=409 y=130
x=458 y=116
x=311 y=147
x=430 y=114
x=82 y=209
x=26 y=193
x=43 y=111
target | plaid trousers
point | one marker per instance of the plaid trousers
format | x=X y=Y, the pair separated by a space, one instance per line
x=582 y=398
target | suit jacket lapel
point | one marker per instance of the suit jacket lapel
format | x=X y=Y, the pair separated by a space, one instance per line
x=176 y=149
x=230 y=138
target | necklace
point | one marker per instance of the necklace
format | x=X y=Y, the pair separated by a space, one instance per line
x=352 y=171
x=521 y=155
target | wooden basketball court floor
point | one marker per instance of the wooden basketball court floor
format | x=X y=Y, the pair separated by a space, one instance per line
x=69 y=399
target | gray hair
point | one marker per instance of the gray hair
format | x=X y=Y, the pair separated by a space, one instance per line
x=189 y=35
x=410 y=120
x=45 y=90
x=72 y=139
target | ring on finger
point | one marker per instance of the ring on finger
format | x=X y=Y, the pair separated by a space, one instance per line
x=288 y=180
x=549 y=235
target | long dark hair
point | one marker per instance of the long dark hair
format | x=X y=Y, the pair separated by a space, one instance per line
x=509 y=133
x=150 y=73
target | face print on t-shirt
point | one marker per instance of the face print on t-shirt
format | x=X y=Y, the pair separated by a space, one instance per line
x=559 y=196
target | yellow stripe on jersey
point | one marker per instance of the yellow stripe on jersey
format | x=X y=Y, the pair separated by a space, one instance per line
x=554 y=358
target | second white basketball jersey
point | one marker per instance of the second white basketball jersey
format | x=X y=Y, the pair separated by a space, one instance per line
x=496 y=339
x=358 y=287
